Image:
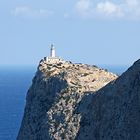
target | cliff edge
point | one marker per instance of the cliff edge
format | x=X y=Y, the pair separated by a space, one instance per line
x=53 y=103
x=113 y=112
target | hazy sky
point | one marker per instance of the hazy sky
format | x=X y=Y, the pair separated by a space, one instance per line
x=86 y=31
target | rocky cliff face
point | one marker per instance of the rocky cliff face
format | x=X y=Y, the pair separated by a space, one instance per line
x=54 y=101
x=113 y=112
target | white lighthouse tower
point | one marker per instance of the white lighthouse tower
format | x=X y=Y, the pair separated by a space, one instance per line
x=53 y=59
x=52 y=53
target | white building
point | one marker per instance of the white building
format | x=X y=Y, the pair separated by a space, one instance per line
x=52 y=52
x=53 y=59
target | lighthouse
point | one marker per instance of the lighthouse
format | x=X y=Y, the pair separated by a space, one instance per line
x=53 y=59
x=52 y=52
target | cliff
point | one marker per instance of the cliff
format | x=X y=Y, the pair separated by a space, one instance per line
x=54 y=101
x=113 y=112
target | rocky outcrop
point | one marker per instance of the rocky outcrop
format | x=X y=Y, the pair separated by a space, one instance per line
x=113 y=112
x=54 y=97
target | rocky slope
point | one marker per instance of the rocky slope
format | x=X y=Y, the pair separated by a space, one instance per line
x=54 y=97
x=113 y=112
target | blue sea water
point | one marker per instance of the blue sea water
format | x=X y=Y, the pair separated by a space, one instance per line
x=116 y=69
x=14 y=84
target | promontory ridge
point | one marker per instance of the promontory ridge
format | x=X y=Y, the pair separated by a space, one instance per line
x=68 y=101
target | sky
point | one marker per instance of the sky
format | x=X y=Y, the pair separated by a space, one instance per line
x=97 y=32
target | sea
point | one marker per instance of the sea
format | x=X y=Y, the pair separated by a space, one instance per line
x=14 y=84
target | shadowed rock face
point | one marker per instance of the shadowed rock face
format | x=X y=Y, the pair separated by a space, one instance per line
x=113 y=112
x=54 y=96
x=40 y=99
